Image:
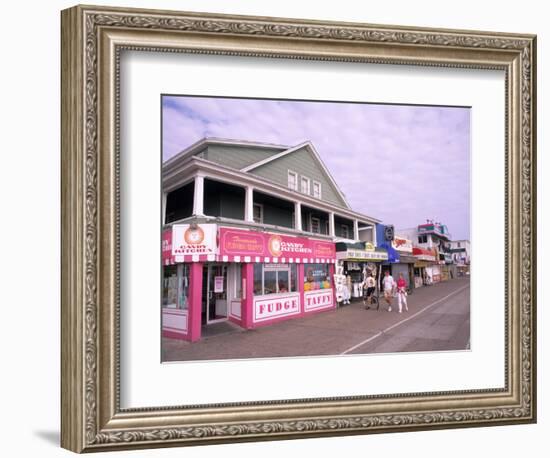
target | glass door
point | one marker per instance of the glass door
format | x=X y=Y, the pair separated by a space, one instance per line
x=217 y=293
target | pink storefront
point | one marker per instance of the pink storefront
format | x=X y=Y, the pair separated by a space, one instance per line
x=250 y=278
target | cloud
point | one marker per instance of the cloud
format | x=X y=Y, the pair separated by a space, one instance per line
x=398 y=163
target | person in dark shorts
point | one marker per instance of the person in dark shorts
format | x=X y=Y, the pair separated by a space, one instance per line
x=370 y=284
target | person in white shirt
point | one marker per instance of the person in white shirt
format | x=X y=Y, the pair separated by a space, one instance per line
x=388 y=284
x=369 y=288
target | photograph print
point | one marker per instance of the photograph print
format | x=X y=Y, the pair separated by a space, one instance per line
x=294 y=228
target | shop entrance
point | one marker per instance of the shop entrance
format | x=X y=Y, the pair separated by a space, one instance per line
x=214 y=293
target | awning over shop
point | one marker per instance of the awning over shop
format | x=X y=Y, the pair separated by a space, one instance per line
x=208 y=242
x=238 y=245
x=393 y=254
x=359 y=252
x=406 y=259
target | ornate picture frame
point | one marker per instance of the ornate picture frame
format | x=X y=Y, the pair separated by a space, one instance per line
x=93 y=39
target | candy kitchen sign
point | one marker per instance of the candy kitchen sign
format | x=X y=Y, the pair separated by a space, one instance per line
x=238 y=243
x=194 y=239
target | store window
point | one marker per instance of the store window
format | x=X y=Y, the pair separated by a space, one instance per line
x=274 y=279
x=316 y=276
x=175 y=286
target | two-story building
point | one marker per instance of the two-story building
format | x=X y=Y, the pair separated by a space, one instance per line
x=460 y=252
x=432 y=248
x=249 y=232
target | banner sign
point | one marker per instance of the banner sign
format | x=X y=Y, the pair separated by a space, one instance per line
x=242 y=243
x=363 y=255
x=423 y=255
x=167 y=257
x=402 y=244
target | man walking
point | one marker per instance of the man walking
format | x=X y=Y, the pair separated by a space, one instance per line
x=388 y=284
x=402 y=292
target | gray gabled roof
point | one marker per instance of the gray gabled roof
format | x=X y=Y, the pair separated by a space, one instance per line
x=307 y=144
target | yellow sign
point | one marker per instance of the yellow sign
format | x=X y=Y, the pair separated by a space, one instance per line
x=369 y=246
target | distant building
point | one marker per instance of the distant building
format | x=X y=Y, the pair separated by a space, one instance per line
x=432 y=247
x=460 y=252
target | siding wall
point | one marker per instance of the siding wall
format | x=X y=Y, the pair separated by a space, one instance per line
x=304 y=163
x=236 y=157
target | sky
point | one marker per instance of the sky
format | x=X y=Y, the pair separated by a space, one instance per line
x=401 y=164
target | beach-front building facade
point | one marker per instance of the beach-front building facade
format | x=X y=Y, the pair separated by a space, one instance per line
x=460 y=252
x=249 y=232
x=432 y=250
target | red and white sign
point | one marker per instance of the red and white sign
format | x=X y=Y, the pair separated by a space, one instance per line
x=402 y=244
x=167 y=257
x=319 y=299
x=194 y=239
x=278 y=306
x=423 y=255
x=238 y=244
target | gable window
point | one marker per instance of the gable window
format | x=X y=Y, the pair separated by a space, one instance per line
x=317 y=189
x=258 y=213
x=315 y=225
x=345 y=231
x=293 y=180
x=304 y=185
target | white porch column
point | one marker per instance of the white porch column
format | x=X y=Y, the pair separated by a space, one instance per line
x=298 y=216
x=331 y=224
x=163 y=210
x=355 y=230
x=249 y=204
x=198 y=196
x=374 y=241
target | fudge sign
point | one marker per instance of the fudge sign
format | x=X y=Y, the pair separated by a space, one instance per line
x=268 y=309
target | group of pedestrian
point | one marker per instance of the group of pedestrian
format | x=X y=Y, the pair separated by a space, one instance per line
x=391 y=288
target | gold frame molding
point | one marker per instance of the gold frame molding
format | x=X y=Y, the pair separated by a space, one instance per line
x=92 y=40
